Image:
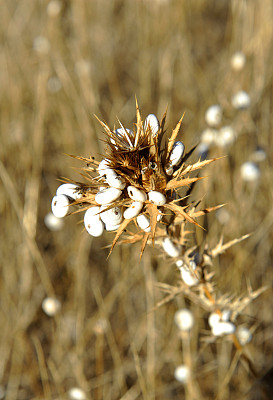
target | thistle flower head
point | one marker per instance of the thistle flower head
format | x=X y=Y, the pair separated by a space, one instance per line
x=139 y=181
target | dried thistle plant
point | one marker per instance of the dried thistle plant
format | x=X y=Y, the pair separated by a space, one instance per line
x=139 y=182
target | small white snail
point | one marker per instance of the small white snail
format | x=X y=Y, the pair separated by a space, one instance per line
x=176 y=153
x=51 y=306
x=113 y=216
x=169 y=169
x=157 y=198
x=60 y=205
x=92 y=222
x=170 y=248
x=70 y=190
x=182 y=374
x=115 y=181
x=241 y=100
x=244 y=335
x=111 y=227
x=187 y=274
x=107 y=195
x=213 y=115
x=143 y=222
x=223 y=328
x=184 y=319
x=104 y=167
x=152 y=122
x=133 y=210
x=250 y=171
x=136 y=194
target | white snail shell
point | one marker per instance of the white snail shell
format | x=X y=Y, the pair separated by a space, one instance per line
x=152 y=121
x=107 y=195
x=92 y=222
x=170 y=248
x=169 y=169
x=70 y=190
x=176 y=153
x=136 y=194
x=184 y=319
x=60 y=205
x=113 y=216
x=188 y=276
x=157 y=198
x=110 y=228
x=213 y=115
x=103 y=167
x=143 y=222
x=133 y=210
x=223 y=328
x=241 y=100
x=159 y=216
x=115 y=181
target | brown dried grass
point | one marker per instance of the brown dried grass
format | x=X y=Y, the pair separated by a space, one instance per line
x=175 y=53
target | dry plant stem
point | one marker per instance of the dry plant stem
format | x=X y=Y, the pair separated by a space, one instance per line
x=208 y=294
x=141 y=380
x=30 y=241
x=16 y=367
x=224 y=349
x=99 y=346
x=42 y=368
x=149 y=282
x=187 y=360
x=111 y=341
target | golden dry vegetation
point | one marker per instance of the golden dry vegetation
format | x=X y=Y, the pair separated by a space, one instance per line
x=61 y=63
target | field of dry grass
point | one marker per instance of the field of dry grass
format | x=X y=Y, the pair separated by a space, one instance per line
x=61 y=63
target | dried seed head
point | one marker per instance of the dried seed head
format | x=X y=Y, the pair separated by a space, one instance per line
x=141 y=164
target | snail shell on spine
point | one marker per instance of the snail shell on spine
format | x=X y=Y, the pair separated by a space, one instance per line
x=176 y=153
x=157 y=198
x=152 y=121
x=60 y=205
x=133 y=210
x=108 y=195
x=136 y=194
x=170 y=248
x=113 y=216
x=115 y=181
x=92 y=222
x=143 y=222
x=70 y=190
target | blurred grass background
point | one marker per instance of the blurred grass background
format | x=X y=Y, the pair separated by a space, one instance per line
x=61 y=62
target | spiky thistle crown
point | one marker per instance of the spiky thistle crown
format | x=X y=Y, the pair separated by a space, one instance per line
x=139 y=181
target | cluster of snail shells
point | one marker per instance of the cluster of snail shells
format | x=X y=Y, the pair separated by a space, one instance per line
x=107 y=216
